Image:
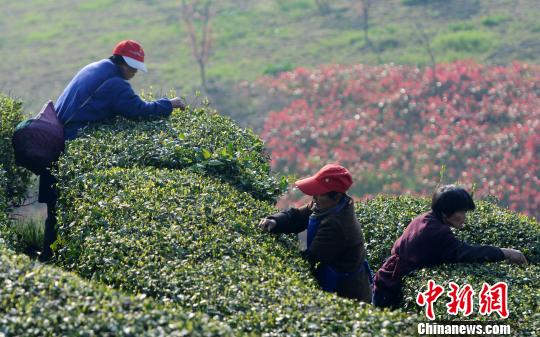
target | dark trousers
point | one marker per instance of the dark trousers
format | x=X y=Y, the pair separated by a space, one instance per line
x=49 y=195
x=386 y=297
x=50 y=228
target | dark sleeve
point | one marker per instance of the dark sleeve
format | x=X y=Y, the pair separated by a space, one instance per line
x=293 y=220
x=471 y=254
x=455 y=251
x=327 y=243
x=130 y=105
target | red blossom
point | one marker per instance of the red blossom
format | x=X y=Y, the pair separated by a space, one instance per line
x=394 y=129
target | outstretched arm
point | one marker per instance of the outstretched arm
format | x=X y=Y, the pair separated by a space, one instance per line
x=453 y=250
x=128 y=104
x=293 y=220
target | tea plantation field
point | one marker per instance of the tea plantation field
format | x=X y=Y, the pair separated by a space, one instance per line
x=158 y=237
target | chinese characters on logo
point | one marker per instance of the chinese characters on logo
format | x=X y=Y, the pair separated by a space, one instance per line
x=461 y=300
x=494 y=299
x=490 y=299
x=429 y=297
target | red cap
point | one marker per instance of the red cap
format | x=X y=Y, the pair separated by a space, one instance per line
x=132 y=52
x=331 y=178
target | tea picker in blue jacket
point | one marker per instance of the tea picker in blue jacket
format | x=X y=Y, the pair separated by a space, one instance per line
x=98 y=92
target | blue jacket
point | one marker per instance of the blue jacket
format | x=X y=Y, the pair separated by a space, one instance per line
x=99 y=92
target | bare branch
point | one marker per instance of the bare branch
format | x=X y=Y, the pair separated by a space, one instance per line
x=427 y=45
x=200 y=48
x=365 y=6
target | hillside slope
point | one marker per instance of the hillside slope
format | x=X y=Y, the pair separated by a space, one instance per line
x=44 y=43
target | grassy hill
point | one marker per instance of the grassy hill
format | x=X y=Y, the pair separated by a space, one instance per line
x=43 y=43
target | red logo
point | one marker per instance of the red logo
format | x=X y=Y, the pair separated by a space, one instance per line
x=490 y=299
x=429 y=297
x=494 y=299
x=460 y=300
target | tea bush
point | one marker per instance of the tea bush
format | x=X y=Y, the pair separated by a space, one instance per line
x=4 y=220
x=196 y=139
x=17 y=177
x=523 y=292
x=3 y=200
x=6 y=229
x=192 y=241
x=39 y=300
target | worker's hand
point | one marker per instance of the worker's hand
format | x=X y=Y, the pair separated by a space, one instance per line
x=514 y=256
x=178 y=103
x=267 y=224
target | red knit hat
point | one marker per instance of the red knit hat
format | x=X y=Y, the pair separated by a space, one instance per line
x=132 y=52
x=331 y=178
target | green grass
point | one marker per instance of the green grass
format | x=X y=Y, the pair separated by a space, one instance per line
x=95 y=5
x=30 y=231
x=494 y=20
x=473 y=42
x=461 y=26
x=301 y=5
x=274 y=69
x=44 y=35
x=250 y=38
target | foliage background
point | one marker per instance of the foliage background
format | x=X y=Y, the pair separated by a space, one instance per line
x=44 y=43
x=399 y=128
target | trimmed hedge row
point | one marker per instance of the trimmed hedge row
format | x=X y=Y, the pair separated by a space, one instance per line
x=6 y=230
x=17 y=177
x=385 y=218
x=3 y=199
x=192 y=241
x=523 y=293
x=38 y=300
x=197 y=139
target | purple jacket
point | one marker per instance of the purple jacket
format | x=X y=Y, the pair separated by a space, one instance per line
x=427 y=242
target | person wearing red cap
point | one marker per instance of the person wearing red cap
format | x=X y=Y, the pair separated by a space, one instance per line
x=98 y=92
x=101 y=90
x=335 y=241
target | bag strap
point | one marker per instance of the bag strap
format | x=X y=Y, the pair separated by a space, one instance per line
x=314 y=221
x=85 y=102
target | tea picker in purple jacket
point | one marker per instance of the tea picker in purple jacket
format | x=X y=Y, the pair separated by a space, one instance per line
x=429 y=241
x=98 y=92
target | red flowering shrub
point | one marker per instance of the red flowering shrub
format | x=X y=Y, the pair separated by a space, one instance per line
x=394 y=127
